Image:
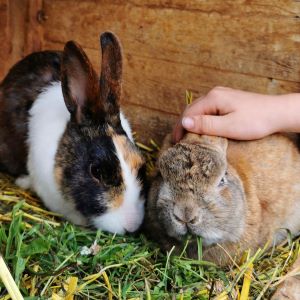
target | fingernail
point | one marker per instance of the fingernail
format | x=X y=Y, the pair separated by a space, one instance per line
x=188 y=123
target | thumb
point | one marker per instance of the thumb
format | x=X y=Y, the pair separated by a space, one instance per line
x=207 y=124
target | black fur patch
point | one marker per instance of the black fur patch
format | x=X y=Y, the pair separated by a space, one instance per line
x=79 y=151
x=143 y=179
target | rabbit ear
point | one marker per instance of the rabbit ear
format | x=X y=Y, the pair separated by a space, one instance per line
x=215 y=142
x=111 y=76
x=218 y=143
x=80 y=85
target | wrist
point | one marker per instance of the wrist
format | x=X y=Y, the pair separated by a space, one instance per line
x=287 y=113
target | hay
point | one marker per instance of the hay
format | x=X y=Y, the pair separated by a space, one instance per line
x=47 y=259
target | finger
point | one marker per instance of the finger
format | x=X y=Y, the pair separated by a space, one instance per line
x=203 y=106
x=194 y=109
x=207 y=124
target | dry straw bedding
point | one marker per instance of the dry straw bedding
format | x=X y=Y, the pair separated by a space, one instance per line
x=50 y=258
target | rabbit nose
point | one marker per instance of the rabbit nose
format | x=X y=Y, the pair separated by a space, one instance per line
x=185 y=214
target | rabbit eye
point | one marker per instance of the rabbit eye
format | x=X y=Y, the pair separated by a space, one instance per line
x=95 y=172
x=223 y=181
x=104 y=174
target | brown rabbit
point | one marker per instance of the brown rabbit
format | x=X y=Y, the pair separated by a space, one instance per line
x=237 y=195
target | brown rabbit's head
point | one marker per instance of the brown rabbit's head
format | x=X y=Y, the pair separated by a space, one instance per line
x=199 y=194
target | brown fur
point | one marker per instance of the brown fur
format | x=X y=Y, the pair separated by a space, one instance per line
x=58 y=174
x=117 y=202
x=131 y=155
x=261 y=194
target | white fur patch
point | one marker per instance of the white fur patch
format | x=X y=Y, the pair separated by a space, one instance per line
x=47 y=122
x=129 y=215
x=23 y=182
x=213 y=236
x=126 y=126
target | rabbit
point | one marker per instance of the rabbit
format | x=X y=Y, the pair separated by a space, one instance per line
x=236 y=195
x=63 y=133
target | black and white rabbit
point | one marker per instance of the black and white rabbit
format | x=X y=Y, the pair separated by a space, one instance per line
x=62 y=125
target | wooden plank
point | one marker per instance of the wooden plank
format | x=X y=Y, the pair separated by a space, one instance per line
x=34 y=29
x=4 y=41
x=18 y=10
x=239 y=36
x=225 y=7
x=13 y=18
x=149 y=123
x=161 y=85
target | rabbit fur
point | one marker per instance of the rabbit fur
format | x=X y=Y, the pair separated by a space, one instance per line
x=63 y=133
x=236 y=195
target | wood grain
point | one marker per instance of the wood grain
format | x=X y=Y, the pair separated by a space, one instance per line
x=34 y=30
x=237 y=36
x=148 y=123
x=4 y=33
x=12 y=34
x=21 y=31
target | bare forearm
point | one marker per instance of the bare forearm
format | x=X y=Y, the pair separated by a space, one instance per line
x=240 y=115
x=289 y=113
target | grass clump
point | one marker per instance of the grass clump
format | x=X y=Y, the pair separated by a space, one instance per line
x=46 y=258
x=53 y=259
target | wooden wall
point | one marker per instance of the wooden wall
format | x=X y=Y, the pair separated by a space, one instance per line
x=175 y=45
x=3 y=36
x=20 y=31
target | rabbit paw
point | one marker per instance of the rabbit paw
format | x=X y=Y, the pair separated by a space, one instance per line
x=23 y=182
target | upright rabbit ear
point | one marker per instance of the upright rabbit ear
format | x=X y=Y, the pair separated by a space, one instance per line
x=80 y=85
x=111 y=76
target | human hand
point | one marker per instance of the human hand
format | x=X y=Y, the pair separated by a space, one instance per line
x=234 y=114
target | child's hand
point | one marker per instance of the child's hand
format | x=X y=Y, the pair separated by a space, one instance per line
x=239 y=115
